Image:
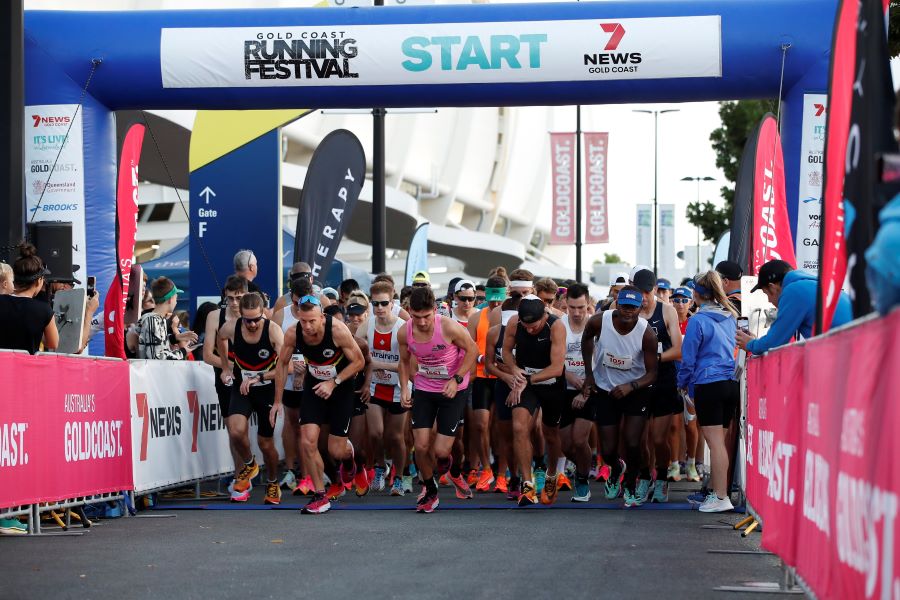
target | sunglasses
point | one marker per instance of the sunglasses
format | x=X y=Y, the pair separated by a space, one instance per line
x=306 y=275
x=480 y=298
x=547 y=301
x=680 y=300
x=233 y=298
x=380 y=302
x=249 y=320
x=309 y=300
x=465 y=298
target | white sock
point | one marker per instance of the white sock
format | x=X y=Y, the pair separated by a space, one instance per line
x=561 y=464
x=691 y=461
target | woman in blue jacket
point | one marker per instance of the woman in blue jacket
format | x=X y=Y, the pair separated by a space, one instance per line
x=707 y=363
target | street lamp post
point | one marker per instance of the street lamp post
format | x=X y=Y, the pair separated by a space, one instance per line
x=698 y=179
x=656 y=114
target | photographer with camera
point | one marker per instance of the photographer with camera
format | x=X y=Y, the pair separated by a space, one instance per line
x=25 y=321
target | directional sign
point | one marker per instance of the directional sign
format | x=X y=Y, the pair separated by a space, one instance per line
x=238 y=207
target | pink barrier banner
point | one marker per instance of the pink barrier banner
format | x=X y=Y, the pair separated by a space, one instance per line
x=65 y=428
x=562 y=184
x=823 y=458
x=596 y=149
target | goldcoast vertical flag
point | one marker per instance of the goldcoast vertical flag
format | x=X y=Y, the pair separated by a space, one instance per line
x=333 y=182
x=860 y=110
x=596 y=148
x=771 y=226
x=417 y=257
x=562 y=168
x=126 y=230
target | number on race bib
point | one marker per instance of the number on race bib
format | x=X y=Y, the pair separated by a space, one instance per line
x=323 y=372
x=434 y=372
x=622 y=363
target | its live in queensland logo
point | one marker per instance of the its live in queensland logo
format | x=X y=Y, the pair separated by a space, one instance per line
x=475 y=52
x=322 y=55
x=610 y=59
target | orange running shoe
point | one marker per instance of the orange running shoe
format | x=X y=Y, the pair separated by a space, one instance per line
x=463 y=491
x=361 y=479
x=502 y=485
x=445 y=479
x=472 y=480
x=273 y=493
x=551 y=489
x=564 y=484
x=484 y=482
x=335 y=491
x=305 y=487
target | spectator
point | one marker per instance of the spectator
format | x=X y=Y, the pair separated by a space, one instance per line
x=347 y=287
x=199 y=326
x=25 y=321
x=794 y=293
x=153 y=337
x=245 y=266
x=883 y=257
x=731 y=274
x=707 y=365
x=6 y=279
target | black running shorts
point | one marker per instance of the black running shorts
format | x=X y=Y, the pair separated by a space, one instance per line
x=549 y=398
x=291 y=398
x=359 y=407
x=483 y=393
x=717 y=403
x=611 y=410
x=223 y=392
x=665 y=400
x=335 y=412
x=501 y=410
x=259 y=401
x=587 y=412
x=390 y=407
x=429 y=407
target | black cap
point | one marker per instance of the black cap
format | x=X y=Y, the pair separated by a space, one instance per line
x=644 y=280
x=730 y=270
x=531 y=309
x=355 y=309
x=772 y=272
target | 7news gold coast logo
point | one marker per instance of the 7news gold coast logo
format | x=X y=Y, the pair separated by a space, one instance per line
x=300 y=55
x=610 y=60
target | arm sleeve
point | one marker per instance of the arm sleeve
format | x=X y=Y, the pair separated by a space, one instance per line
x=690 y=345
x=790 y=316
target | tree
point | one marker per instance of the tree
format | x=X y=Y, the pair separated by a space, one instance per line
x=894 y=29
x=611 y=258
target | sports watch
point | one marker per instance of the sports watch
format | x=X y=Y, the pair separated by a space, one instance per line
x=458 y=379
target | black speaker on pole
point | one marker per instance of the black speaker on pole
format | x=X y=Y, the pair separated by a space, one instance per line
x=53 y=240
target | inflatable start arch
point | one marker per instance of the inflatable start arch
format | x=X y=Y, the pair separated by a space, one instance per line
x=447 y=55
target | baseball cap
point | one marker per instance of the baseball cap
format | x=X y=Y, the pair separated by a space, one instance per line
x=421 y=277
x=772 y=272
x=644 y=280
x=629 y=297
x=729 y=270
x=497 y=294
x=664 y=284
x=684 y=292
x=330 y=292
x=356 y=309
x=620 y=278
x=635 y=271
x=463 y=283
x=531 y=309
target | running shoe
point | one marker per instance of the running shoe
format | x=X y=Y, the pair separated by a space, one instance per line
x=714 y=504
x=582 y=492
x=240 y=495
x=570 y=469
x=407 y=484
x=642 y=490
x=564 y=483
x=335 y=491
x=603 y=473
x=273 y=493
x=288 y=480
x=674 y=472
x=247 y=472
x=528 y=495
x=485 y=480
x=692 y=474
x=317 y=505
x=428 y=503
x=551 y=489
x=305 y=487
x=445 y=479
x=698 y=497
x=502 y=484
x=463 y=491
x=397 y=487
x=594 y=473
x=614 y=488
x=660 y=492
x=540 y=476
x=346 y=477
x=472 y=479
x=632 y=499
x=12 y=527
x=361 y=479
x=378 y=481
x=422 y=493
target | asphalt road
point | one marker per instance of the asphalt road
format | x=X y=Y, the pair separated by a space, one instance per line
x=208 y=549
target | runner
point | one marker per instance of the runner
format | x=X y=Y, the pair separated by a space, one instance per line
x=483 y=388
x=299 y=270
x=333 y=359
x=663 y=290
x=462 y=309
x=546 y=289
x=256 y=344
x=682 y=298
x=578 y=414
x=386 y=417
x=445 y=354
x=234 y=289
x=665 y=401
x=356 y=314
x=619 y=382
x=396 y=309
x=537 y=366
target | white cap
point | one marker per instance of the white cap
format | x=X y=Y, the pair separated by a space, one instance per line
x=620 y=278
x=636 y=269
x=462 y=283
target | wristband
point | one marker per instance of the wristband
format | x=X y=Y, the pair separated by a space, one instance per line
x=528 y=378
x=634 y=386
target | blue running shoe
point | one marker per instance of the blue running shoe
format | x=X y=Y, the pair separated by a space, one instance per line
x=582 y=492
x=698 y=497
x=632 y=499
x=540 y=478
x=643 y=490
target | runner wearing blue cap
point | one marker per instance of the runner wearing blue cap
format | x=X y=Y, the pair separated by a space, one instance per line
x=619 y=382
x=663 y=290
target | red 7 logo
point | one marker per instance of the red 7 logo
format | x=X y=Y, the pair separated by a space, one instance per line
x=37 y=119
x=194 y=407
x=143 y=413
x=820 y=108
x=617 y=31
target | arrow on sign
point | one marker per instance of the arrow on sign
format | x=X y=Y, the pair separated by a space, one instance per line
x=206 y=193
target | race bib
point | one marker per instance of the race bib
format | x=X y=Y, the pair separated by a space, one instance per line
x=531 y=371
x=622 y=363
x=575 y=365
x=323 y=372
x=248 y=374
x=434 y=372
x=296 y=358
x=385 y=377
